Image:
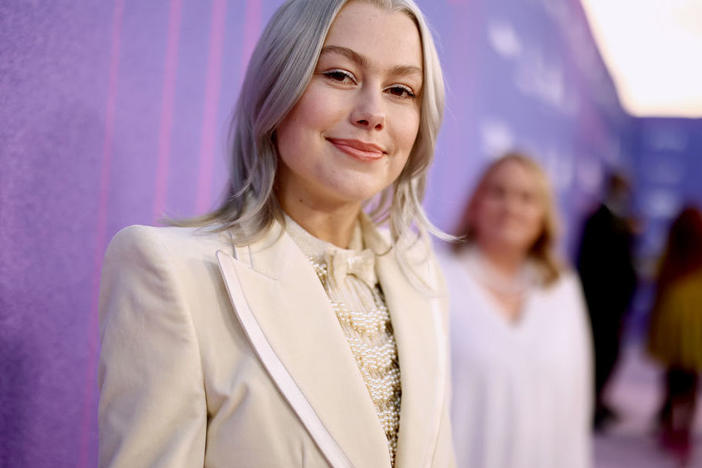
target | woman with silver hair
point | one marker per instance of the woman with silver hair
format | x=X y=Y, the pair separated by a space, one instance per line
x=285 y=328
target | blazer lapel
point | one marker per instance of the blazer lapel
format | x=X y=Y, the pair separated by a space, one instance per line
x=275 y=282
x=419 y=333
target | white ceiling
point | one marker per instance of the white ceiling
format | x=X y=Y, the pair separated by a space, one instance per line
x=653 y=49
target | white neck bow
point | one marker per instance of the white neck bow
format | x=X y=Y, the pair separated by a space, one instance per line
x=342 y=263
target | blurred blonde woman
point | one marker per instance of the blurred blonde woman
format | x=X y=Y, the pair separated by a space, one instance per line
x=521 y=359
x=286 y=328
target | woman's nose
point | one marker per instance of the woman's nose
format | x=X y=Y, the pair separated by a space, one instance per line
x=514 y=203
x=369 y=113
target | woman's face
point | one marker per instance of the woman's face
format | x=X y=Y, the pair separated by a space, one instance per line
x=509 y=214
x=351 y=132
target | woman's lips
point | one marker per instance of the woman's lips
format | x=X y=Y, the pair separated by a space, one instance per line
x=358 y=149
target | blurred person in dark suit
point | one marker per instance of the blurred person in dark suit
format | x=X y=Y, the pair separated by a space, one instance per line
x=606 y=267
x=675 y=332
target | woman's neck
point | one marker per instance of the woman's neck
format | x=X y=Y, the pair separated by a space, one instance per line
x=506 y=261
x=331 y=224
x=503 y=275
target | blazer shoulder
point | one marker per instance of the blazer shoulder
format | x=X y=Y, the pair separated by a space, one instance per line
x=136 y=241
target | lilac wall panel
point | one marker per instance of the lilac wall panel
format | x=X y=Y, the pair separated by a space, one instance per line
x=114 y=113
x=667 y=176
x=51 y=142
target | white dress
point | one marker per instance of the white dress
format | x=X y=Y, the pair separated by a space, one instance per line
x=522 y=391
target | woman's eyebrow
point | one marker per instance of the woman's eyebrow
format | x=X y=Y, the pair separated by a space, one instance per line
x=362 y=61
x=346 y=52
x=406 y=70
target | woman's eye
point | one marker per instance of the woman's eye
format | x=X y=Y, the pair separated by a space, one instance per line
x=340 y=76
x=527 y=197
x=497 y=192
x=401 y=91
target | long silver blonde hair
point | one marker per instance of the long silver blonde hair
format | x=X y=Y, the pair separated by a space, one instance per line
x=280 y=68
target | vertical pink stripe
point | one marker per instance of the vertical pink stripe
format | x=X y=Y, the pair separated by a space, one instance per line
x=101 y=232
x=209 y=119
x=167 y=98
x=252 y=28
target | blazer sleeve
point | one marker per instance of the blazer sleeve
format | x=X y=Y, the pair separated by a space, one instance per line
x=152 y=409
x=444 y=455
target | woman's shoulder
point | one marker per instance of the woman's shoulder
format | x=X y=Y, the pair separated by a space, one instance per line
x=138 y=241
x=461 y=285
x=564 y=294
x=567 y=282
x=687 y=289
x=447 y=258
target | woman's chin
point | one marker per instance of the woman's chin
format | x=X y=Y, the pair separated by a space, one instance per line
x=507 y=244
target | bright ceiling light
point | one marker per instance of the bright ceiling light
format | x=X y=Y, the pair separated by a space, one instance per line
x=653 y=49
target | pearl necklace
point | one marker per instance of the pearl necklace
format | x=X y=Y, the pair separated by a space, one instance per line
x=484 y=272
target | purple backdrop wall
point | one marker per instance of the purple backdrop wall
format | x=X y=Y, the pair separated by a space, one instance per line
x=525 y=74
x=114 y=113
x=667 y=176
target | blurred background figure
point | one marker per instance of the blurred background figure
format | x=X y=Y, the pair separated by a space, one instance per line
x=605 y=263
x=521 y=347
x=675 y=333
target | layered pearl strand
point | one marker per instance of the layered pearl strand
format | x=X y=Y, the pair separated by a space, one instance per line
x=369 y=334
x=510 y=291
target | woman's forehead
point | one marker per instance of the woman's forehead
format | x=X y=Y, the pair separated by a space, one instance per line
x=514 y=174
x=378 y=36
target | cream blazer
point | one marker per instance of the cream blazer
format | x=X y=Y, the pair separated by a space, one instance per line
x=219 y=355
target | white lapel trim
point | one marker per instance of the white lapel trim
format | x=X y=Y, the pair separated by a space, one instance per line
x=282 y=378
x=442 y=358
